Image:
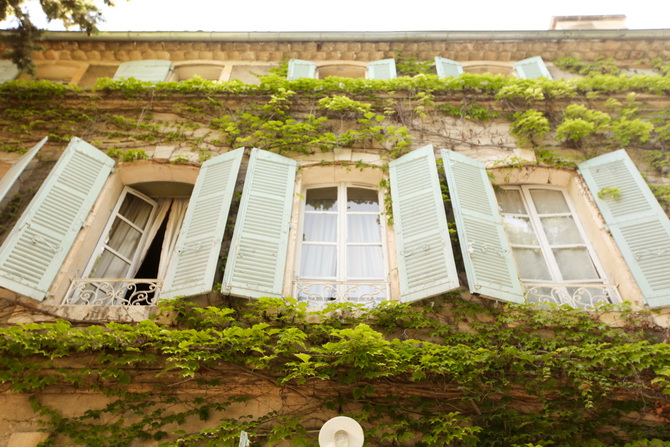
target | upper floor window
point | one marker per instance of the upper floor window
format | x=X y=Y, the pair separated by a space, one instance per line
x=342 y=250
x=382 y=69
x=554 y=260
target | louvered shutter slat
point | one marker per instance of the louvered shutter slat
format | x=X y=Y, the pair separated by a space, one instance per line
x=257 y=258
x=531 y=68
x=301 y=69
x=425 y=260
x=383 y=69
x=38 y=244
x=146 y=70
x=193 y=264
x=447 y=68
x=636 y=221
x=488 y=259
x=8 y=71
x=17 y=168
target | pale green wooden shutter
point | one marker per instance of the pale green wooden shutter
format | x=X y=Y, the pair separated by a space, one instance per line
x=488 y=259
x=301 y=69
x=146 y=70
x=531 y=68
x=447 y=68
x=425 y=260
x=257 y=256
x=39 y=242
x=8 y=71
x=17 y=168
x=383 y=69
x=194 y=261
x=244 y=439
x=636 y=221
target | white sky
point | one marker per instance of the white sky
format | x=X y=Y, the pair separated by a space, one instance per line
x=368 y=15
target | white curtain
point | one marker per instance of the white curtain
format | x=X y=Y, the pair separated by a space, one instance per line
x=174 y=224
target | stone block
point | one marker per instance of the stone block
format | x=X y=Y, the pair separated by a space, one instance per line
x=93 y=56
x=135 y=55
x=163 y=153
x=149 y=54
x=26 y=439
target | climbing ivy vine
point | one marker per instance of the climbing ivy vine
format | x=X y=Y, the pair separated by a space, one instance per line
x=448 y=372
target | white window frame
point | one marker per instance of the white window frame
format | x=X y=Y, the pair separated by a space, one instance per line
x=560 y=294
x=102 y=243
x=345 y=287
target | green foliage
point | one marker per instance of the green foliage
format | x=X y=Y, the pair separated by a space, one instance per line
x=412 y=66
x=127 y=155
x=469 y=110
x=530 y=126
x=448 y=372
x=577 y=66
x=609 y=193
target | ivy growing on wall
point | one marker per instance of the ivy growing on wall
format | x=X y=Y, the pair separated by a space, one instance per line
x=448 y=372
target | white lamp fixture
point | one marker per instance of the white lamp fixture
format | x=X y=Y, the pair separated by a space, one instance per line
x=341 y=431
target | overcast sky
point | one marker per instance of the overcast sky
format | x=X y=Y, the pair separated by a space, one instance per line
x=368 y=15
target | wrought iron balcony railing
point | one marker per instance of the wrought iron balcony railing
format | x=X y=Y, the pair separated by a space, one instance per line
x=320 y=293
x=114 y=292
x=580 y=296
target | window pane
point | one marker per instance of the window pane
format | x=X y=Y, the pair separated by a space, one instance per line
x=364 y=262
x=321 y=199
x=519 y=230
x=509 y=201
x=561 y=230
x=320 y=228
x=548 y=201
x=109 y=266
x=135 y=210
x=318 y=261
x=575 y=264
x=360 y=199
x=531 y=264
x=363 y=228
x=123 y=238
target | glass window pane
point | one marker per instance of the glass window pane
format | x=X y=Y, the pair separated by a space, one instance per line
x=561 y=230
x=549 y=201
x=320 y=227
x=318 y=261
x=575 y=264
x=365 y=262
x=361 y=199
x=136 y=210
x=321 y=199
x=519 y=230
x=509 y=201
x=123 y=238
x=109 y=266
x=363 y=228
x=531 y=264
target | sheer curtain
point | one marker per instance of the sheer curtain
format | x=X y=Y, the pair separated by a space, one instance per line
x=174 y=224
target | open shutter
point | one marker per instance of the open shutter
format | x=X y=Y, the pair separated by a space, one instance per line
x=17 y=168
x=637 y=222
x=488 y=259
x=383 y=69
x=39 y=242
x=147 y=70
x=425 y=260
x=257 y=256
x=532 y=68
x=8 y=71
x=301 y=69
x=193 y=264
x=447 y=68
x=244 y=439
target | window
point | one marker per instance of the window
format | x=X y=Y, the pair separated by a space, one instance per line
x=382 y=69
x=137 y=243
x=342 y=250
x=554 y=260
x=144 y=70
